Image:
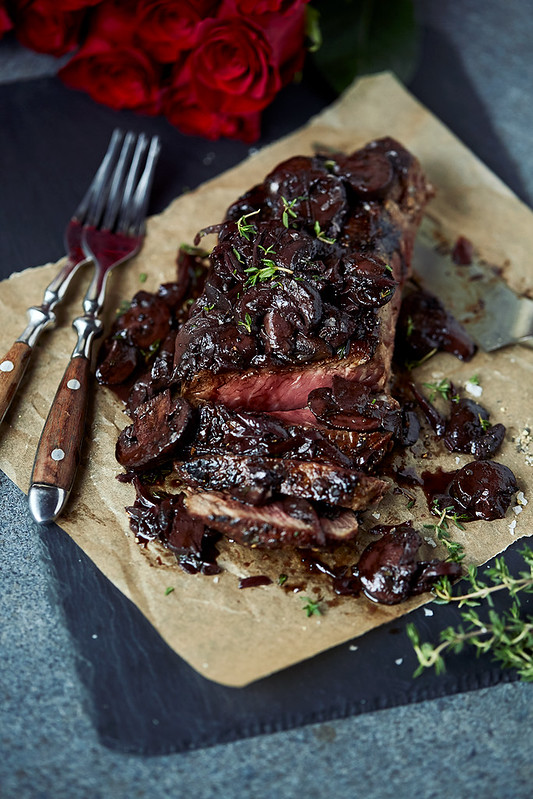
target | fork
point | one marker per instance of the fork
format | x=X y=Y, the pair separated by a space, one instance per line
x=114 y=233
x=41 y=317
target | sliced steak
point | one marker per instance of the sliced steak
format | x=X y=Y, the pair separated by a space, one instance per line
x=256 y=479
x=287 y=522
x=305 y=280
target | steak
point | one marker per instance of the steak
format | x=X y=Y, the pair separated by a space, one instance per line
x=305 y=281
x=288 y=522
x=256 y=479
x=264 y=393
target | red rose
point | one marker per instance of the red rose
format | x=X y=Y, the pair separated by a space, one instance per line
x=184 y=111
x=45 y=28
x=167 y=27
x=74 y=5
x=115 y=21
x=257 y=7
x=120 y=77
x=110 y=68
x=232 y=67
x=5 y=22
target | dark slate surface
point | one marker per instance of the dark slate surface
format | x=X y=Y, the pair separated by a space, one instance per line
x=79 y=657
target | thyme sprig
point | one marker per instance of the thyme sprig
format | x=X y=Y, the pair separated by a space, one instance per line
x=312 y=606
x=506 y=635
x=288 y=209
x=413 y=364
x=443 y=388
x=246 y=229
x=442 y=530
x=321 y=235
x=259 y=274
x=246 y=322
x=485 y=424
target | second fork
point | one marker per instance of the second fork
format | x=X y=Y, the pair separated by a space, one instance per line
x=114 y=234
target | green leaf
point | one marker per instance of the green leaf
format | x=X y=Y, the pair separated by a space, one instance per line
x=312 y=29
x=361 y=37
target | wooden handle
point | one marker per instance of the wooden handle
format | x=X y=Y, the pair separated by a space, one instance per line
x=12 y=368
x=58 y=453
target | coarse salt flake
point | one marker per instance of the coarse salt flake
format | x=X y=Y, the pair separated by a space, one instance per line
x=428 y=612
x=520 y=498
x=376 y=515
x=512 y=527
x=430 y=541
x=353 y=648
x=473 y=389
x=399 y=661
x=518 y=509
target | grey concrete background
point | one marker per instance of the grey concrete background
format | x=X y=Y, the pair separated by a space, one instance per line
x=475 y=743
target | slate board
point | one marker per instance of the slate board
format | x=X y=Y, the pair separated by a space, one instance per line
x=144 y=698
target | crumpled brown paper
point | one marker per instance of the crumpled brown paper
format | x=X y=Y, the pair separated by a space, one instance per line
x=236 y=636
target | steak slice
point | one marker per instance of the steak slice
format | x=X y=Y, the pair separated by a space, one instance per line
x=305 y=281
x=256 y=479
x=289 y=522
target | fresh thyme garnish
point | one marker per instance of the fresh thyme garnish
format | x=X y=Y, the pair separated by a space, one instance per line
x=410 y=325
x=474 y=380
x=506 y=635
x=237 y=255
x=258 y=274
x=410 y=504
x=321 y=236
x=124 y=306
x=443 y=388
x=485 y=424
x=426 y=357
x=267 y=250
x=152 y=349
x=282 y=579
x=311 y=607
x=246 y=229
x=208 y=308
x=199 y=252
x=143 y=277
x=247 y=323
x=169 y=590
x=388 y=267
x=343 y=351
x=288 y=209
x=441 y=529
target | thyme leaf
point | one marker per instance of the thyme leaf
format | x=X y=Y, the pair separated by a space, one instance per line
x=311 y=607
x=443 y=388
x=246 y=229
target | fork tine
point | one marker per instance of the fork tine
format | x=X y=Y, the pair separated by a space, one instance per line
x=132 y=180
x=111 y=204
x=101 y=178
x=134 y=212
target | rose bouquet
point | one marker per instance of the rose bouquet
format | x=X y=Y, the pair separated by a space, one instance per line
x=211 y=66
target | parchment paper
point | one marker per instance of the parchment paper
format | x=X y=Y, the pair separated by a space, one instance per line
x=236 y=636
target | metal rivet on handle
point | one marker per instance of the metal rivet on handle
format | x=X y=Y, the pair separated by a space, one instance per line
x=57 y=454
x=7 y=366
x=74 y=384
